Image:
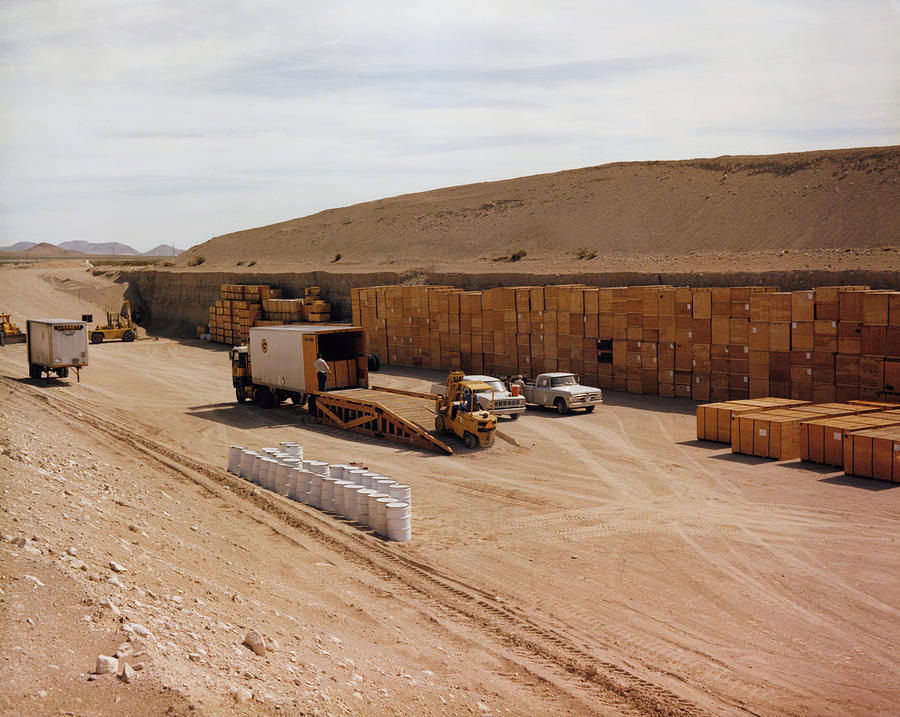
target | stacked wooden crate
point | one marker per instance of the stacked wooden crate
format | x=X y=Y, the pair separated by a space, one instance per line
x=239 y=307
x=706 y=343
x=873 y=453
x=243 y=306
x=822 y=440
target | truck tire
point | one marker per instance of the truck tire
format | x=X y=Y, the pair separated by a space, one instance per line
x=240 y=394
x=589 y=409
x=440 y=425
x=373 y=362
x=265 y=397
x=97 y=337
x=513 y=416
x=62 y=372
x=298 y=399
x=34 y=371
x=470 y=440
x=128 y=335
x=561 y=408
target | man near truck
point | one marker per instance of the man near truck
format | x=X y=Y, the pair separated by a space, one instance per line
x=322 y=371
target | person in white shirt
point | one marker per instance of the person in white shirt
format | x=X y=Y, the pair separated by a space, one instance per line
x=322 y=371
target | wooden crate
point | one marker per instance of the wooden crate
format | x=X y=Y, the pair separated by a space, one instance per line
x=776 y=434
x=873 y=453
x=714 y=419
x=822 y=439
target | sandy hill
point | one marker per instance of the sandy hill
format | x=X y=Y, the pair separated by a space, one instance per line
x=822 y=201
x=45 y=249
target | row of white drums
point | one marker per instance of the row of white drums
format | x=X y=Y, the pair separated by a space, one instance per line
x=370 y=499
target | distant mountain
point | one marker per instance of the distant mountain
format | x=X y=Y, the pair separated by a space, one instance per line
x=163 y=250
x=19 y=246
x=106 y=248
x=44 y=249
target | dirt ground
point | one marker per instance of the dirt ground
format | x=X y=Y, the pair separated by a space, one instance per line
x=609 y=564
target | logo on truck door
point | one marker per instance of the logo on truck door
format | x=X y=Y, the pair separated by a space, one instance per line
x=264 y=345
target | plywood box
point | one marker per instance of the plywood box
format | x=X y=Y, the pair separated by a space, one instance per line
x=822 y=439
x=873 y=453
x=714 y=419
x=803 y=305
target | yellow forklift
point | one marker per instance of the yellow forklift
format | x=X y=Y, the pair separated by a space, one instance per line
x=118 y=326
x=458 y=412
x=9 y=332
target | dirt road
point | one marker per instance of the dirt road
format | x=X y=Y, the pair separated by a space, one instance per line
x=610 y=564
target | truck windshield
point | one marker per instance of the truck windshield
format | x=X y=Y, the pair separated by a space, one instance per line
x=496 y=385
x=562 y=381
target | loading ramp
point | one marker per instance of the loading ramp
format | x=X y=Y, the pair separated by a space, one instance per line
x=405 y=416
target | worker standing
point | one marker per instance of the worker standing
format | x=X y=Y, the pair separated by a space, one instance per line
x=322 y=371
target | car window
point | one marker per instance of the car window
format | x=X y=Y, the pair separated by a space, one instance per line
x=563 y=381
x=542 y=382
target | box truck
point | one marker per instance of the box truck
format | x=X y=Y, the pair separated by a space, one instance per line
x=56 y=345
x=276 y=364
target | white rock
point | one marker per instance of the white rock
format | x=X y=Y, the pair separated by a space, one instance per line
x=106 y=665
x=128 y=673
x=242 y=695
x=114 y=580
x=34 y=580
x=116 y=567
x=255 y=642
x=71 y=551
x=140 y=629
x=106 y=602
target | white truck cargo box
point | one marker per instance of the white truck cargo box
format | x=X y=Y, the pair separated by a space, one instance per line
x=276 y=353
x=282 y=357
x=57 y=343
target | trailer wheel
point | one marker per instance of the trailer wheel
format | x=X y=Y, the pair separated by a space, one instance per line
x=97 y=337
x=440 y=425
x=298 y=399
x=128 y=335
x=34 y=371
x=265 y=397
x=470 y=440
x=561 y=408
x=240 y=394
x=589 y=409
x=373 y=362
x=62 y=372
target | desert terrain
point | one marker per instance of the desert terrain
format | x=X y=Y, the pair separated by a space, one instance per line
x=607 y=564
x=835 y=210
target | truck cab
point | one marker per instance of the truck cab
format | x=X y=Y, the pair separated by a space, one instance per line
x=563 y=391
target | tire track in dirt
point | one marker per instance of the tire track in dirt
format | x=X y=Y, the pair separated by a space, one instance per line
x=570 y=666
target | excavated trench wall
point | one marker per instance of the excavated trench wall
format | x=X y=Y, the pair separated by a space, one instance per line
x=174 y=303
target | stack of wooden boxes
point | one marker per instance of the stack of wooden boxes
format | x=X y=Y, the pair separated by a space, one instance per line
x=243 y=306
x=708 y=343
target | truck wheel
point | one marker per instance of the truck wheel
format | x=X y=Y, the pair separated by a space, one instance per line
x=561 y=408
x=96 y=338
x=240 y=394
x=440 y=425
x=34 y=371
x=513 y=416
x=589 y=409
x=373 y=362
x=265 y=397
x=62 y=372
x=470 y=440
x=128 y=335
x=298 y=399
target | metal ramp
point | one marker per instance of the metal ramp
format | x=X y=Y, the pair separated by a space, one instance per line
x=406 y=417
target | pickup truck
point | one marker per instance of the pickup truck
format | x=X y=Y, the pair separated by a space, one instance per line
x=562 y=391
x=505 y=404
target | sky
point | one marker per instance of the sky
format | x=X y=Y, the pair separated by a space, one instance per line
x=160 y=122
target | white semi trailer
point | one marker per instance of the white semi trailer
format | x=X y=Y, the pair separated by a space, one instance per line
x=56 y=345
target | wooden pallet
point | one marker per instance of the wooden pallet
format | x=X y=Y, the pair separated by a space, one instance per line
x=399 y=417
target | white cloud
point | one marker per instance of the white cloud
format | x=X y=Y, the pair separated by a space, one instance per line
x=168 y=120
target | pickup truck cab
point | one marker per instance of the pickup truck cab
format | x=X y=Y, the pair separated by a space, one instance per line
x=563 y=392
x=505 y=404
